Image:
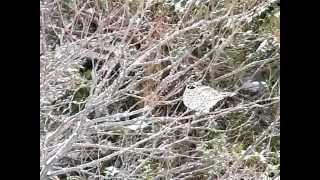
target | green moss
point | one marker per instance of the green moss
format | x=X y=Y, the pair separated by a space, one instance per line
x=271 y=74
x=87 y=74
x=129 y=102
x=160 y=9
x=274 y=159
x=134 y=5
x=66 y=6
x=81 y=94
x=200 y=11
x=216 y=144
x=275 y=143
x=213 y=134
x=271 y=24
x=237 y=56
x=85 y=71
x=79 y=97
x=255 y=162
x=265 y=21
x=244 y=135
x=238 y=148
x=150 y=168
x=104 y=165
x=202 y=50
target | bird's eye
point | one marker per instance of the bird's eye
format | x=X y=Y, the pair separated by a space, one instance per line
x=191 y=87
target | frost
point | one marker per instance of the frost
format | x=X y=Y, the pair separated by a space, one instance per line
x=137 y=125
x=262 y=46
x=111 y=171
x=90 y=10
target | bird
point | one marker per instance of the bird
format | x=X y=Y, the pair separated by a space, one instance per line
x=202 y=98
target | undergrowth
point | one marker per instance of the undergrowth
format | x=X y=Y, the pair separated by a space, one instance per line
x=112 y=76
